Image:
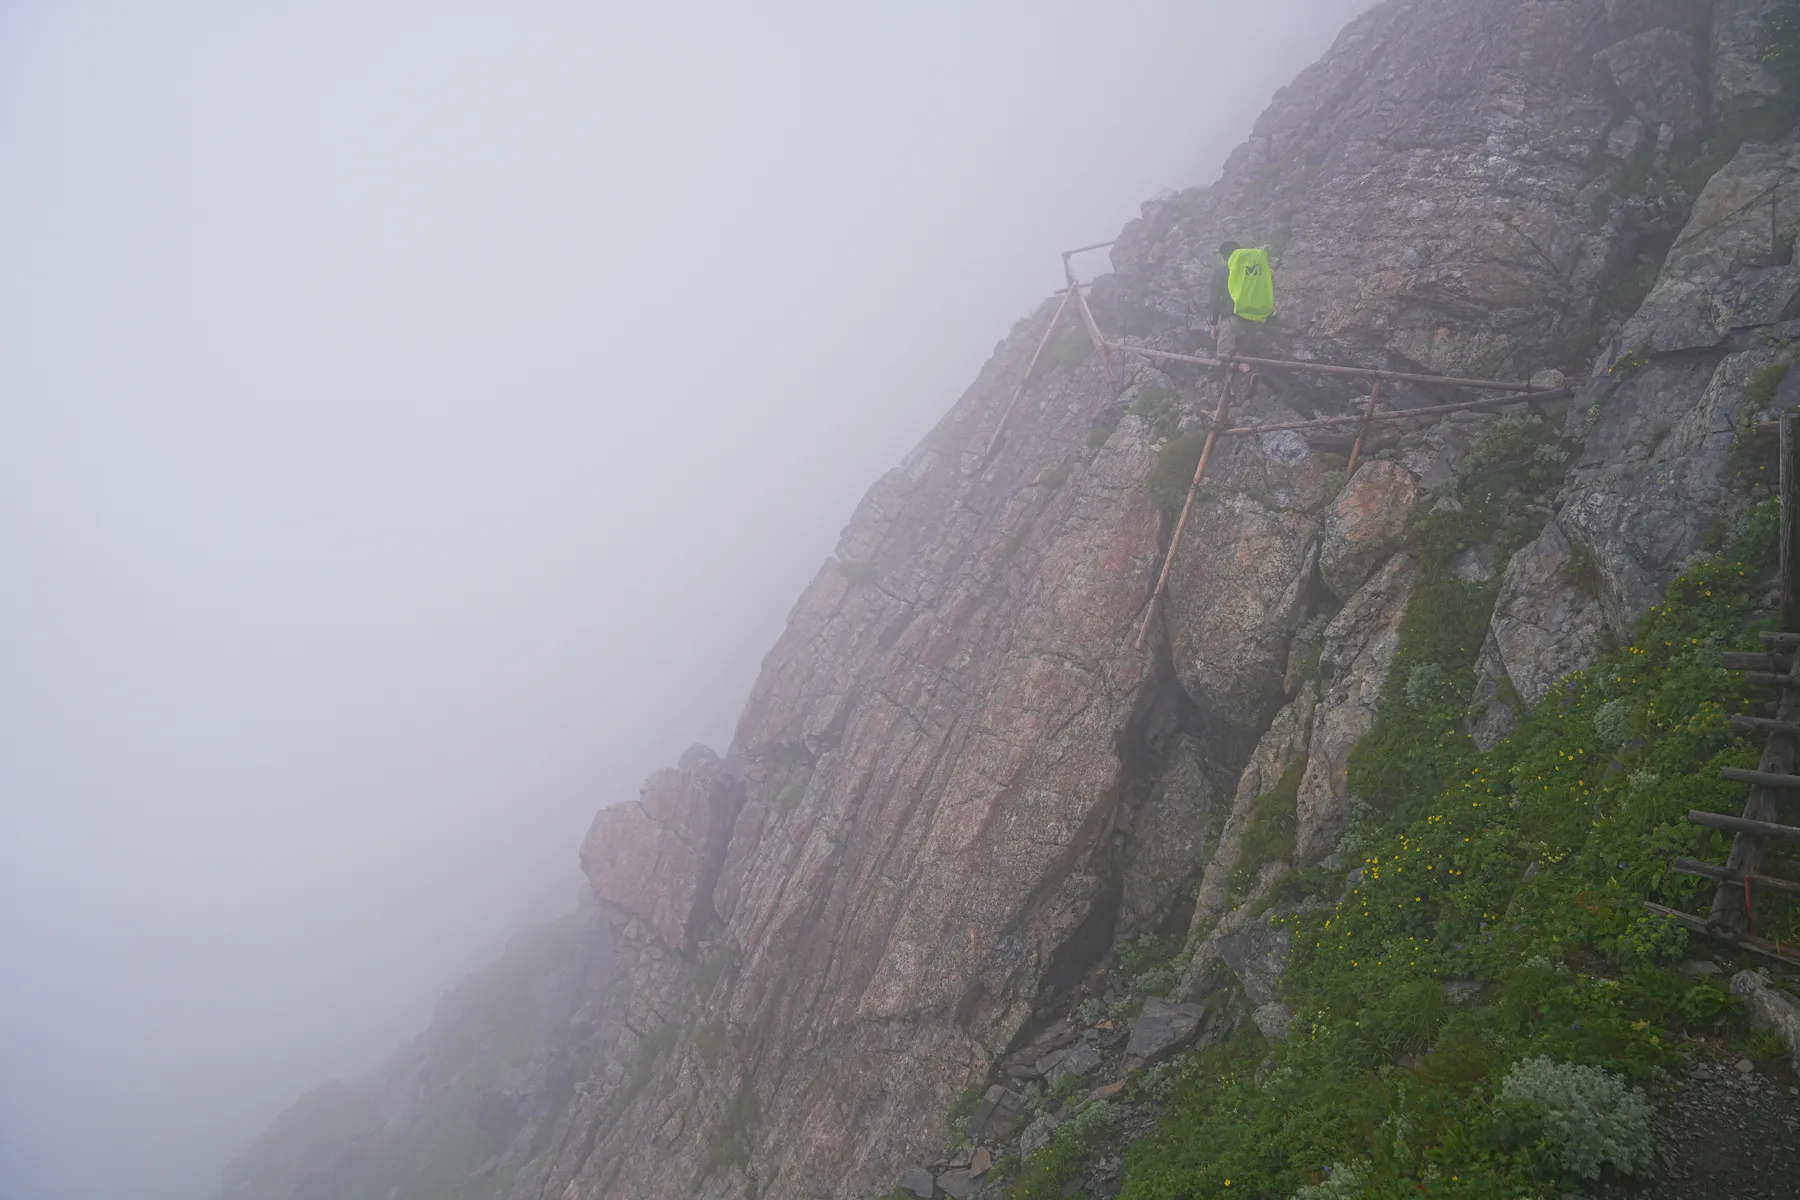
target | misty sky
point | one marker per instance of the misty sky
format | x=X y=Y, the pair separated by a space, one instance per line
x=416 y=420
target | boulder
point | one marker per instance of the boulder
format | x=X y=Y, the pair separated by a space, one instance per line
x=958 y=1185
x=1161 y=1029
x=1771 y=1011
x=1366 y=524
x=1273 y=1020
x=980 y=1162
x=917 y=1182
x=1079 y=1061
x=997 y=1115
x=1258 y=956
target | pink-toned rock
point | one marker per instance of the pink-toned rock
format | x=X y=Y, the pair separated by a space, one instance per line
x=1366 y=524
x=655 y=858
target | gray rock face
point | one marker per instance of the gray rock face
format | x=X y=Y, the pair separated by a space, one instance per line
x=1167 y=836
x=1717 y=276
x=1658 y=71
x=1741 y=84
x=1161 y=1029
x=1360 y=644
x=1258 y=956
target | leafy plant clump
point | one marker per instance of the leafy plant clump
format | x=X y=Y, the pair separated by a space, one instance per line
x=1521 y=870
x=1588 y=1118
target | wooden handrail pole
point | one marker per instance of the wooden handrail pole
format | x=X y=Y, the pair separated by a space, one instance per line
x=1212 y=438
x=1093 y=329
x=1495 y=385
x=1024 y=379
x=1363 y=430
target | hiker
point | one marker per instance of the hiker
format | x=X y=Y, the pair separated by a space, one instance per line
x=1243 y=297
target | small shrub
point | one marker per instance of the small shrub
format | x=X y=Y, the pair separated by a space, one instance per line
x=1653 y=940
x=1582 y=570
x=1612 y=723
x=1343 y=1182
x=1705 y=1006
x=1051 y=479
x=1510 y=439
x=1761 y=392
x=1091 y=1010
x=961 y=1110
x=1588 y=1117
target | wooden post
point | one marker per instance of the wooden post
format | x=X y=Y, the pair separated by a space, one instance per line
x=1790 y=558
x=1363 y=430
x=1024 y=380
x=1212 y=437
x=1730 y=918
x=1093 y=327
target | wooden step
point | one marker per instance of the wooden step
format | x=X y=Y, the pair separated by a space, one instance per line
x=1768 y=779
x=1781 y=639
x=1767 y=679
x=1765 y=725
x=1714 y=820
x=1743 y=941
x=1689 y=866
x=1736 y=660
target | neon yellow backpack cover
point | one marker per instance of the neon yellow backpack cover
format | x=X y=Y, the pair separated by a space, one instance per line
x=1252 y=285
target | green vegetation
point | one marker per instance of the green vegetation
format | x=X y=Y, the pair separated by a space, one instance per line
x=1149 y=964
x=1582 y=569
x=1051 y=479
x=1522 y=869
x=1761 y=392
x=1269 y=834
x=1052 y=1167
x=957 y=1118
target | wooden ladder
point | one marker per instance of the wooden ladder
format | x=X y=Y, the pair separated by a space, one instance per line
x=1732 y=918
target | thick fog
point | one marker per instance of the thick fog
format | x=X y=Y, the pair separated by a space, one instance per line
x=415 y=423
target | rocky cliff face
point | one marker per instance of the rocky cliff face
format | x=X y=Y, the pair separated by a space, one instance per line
x=957 y=785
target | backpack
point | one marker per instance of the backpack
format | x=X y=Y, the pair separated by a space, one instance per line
x=1252 y=285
